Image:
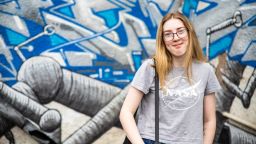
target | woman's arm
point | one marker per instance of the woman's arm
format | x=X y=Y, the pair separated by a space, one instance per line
x=209 y=118
x=128 y=109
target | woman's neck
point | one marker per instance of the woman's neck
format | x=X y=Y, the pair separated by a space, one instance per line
x=178 y=61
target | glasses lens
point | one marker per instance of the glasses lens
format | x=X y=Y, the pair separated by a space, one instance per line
x=182 y=33
x=168 y=36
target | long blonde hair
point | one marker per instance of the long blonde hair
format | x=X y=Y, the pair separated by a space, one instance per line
x=163 y=58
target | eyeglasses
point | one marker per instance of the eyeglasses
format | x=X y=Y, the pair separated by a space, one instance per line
x=169 y=36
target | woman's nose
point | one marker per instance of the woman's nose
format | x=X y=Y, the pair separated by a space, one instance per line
x=175 y=37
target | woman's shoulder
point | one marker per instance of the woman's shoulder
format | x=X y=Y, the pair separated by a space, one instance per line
x=148 y=62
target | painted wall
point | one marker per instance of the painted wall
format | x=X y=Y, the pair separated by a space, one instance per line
x=62 y=58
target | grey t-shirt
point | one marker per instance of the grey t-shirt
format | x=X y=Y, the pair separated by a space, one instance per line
x=181 y=103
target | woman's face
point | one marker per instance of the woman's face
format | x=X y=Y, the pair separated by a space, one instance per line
x=175 y=37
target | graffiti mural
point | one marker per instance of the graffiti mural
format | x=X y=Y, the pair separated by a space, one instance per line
x=227 y=32
x=83 y=54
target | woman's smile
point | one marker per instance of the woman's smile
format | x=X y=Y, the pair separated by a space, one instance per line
x=178 y=45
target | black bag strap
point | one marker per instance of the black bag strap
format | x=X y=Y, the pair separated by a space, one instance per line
x=156 y=106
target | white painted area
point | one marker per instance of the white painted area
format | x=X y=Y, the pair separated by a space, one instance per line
x=130 y=60
x=202 y=5
x=118 y=72
x=100 y=72
x=79 y=58
x=124 y=80
x=18 y=22
x=14 y=23
x=55 y=56
x=94 y=75
x=107 y=70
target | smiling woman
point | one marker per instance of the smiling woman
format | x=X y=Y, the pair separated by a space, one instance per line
x=187 y=90
x=175 y=45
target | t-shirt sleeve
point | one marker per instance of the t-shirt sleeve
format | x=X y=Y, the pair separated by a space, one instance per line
x=213 y=84
x=144 y=76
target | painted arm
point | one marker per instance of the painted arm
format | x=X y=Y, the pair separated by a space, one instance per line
x=128 y=109
x=209 y=118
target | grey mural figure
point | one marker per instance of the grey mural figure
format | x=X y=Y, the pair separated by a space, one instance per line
x=42 y=80
x=16 y=107
x=231 y=73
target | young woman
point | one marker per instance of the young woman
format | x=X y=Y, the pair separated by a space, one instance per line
x=187 y=90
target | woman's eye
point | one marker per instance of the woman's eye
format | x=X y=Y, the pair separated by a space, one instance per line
x=181 y=32
x=168 y=34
